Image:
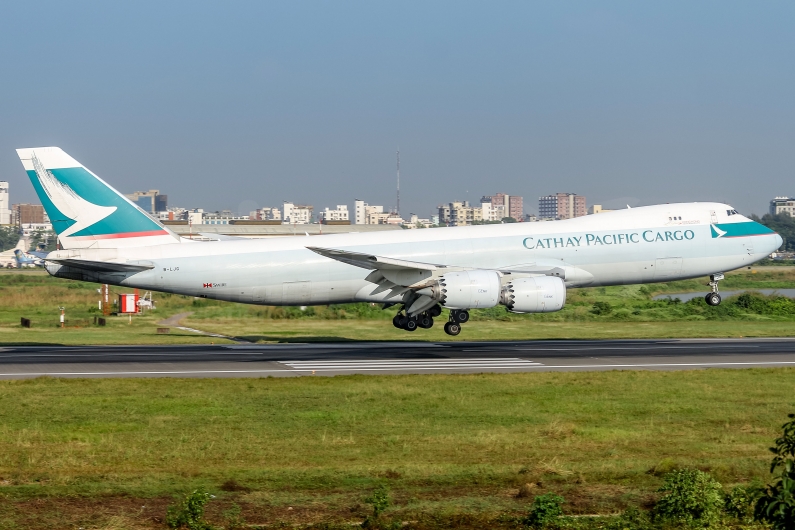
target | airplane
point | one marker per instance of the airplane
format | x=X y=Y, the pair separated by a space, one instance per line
x=8 y=258
x=526 y=267
x=24 y=259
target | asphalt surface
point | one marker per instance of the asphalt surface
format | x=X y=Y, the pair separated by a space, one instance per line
x=286 y=360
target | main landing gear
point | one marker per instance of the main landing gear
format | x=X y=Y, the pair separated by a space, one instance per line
x=423 y=320
x=713 y=298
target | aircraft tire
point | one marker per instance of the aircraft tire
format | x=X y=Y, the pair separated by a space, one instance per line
x=452 y=328
x=425 y=321
x=410 y=325
x=712 y=299
x=462 y=316
x=396 y=321
x=435 y=311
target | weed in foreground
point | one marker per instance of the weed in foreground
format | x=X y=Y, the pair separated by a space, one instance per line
x=776 y=506
x=692 y=498
x=546 y=510
x=189 y=513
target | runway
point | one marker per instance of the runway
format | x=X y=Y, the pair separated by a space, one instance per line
x=327 y=359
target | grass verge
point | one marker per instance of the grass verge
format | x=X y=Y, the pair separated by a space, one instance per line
x=310 y=449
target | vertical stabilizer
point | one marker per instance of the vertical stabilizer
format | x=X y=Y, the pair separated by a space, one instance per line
x=84 y=210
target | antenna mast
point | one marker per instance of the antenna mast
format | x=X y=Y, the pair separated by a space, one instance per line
x=398 y=181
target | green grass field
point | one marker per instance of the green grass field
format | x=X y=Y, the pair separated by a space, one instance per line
x=112 y=453
x=622 y=312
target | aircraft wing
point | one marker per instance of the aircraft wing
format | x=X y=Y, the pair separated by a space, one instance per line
x=103 y=266
x=372 y=262
x=40 y=255
x=394 y=277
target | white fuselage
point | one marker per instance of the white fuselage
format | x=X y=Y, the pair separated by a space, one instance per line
x=640 y=245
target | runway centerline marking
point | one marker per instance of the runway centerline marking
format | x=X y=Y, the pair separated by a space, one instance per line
x=407 y=364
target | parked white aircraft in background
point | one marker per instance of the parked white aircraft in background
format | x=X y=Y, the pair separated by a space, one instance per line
x=526 y=267
x=8 y=258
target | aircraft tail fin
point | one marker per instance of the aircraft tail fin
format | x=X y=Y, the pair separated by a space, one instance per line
x=84 y=210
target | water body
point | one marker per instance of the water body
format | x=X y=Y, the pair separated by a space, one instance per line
x=684 y=297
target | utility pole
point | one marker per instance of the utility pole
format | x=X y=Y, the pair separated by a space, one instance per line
x=398 y=181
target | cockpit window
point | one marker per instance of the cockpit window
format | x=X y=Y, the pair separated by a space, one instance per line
x=732 y=212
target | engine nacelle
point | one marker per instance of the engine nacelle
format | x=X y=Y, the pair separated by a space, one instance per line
x=536 y=294
x=466 y=289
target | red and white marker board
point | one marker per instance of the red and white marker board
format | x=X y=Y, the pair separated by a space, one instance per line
x=128 y=303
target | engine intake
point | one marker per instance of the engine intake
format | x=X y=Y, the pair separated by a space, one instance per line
x=536 y=294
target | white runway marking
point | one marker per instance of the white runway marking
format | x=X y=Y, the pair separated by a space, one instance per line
x=529 y=365
x=408 y=364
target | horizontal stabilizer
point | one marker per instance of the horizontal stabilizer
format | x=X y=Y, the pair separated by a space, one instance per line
x=103 y=266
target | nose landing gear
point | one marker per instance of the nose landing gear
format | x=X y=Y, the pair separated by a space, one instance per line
x=713 y=298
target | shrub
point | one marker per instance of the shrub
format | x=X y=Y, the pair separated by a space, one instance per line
x=190 y=513
x=546 y=509
x=601 y=308
x=739 y=503
x=379 y=500
x=776 y=505
x=691 y=498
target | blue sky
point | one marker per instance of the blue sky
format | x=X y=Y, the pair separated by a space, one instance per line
x=241 y=104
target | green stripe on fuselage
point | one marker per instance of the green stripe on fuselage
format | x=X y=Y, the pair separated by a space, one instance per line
x=744 y=229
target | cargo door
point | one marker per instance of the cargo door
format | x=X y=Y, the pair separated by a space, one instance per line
x=667 y=268
x=296 y=293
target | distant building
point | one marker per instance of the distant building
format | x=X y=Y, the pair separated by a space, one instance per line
x=366 y=214
x=340 y=214
x=597 y=208
x=150 y=201
x=224 y=217
x=459 y=213
x=782 y=205
x=561 y=206
x=415 y=222
x=29 y=214
x=266 y=214
x=296 y=214
x=504 y=205
x=5 y=210
x=173 y=213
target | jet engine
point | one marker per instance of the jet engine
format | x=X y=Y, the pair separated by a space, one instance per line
x=535 y=294
x=466 y=289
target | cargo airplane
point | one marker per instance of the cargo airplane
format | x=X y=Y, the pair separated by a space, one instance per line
x=526 y=267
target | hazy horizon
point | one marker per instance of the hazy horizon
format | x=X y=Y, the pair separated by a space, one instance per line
x=242 y=104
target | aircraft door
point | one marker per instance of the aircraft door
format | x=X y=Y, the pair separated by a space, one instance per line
x=296 y=293
x=667 y=268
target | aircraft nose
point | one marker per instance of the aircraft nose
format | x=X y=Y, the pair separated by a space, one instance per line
x=779 y=242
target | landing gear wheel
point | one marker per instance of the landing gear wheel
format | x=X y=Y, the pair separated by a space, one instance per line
x=410 y=325
x=396 y=321
x=461 y=316
x=452 y=328
x=435 y=311
x=713 y=299
x=425 y=321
